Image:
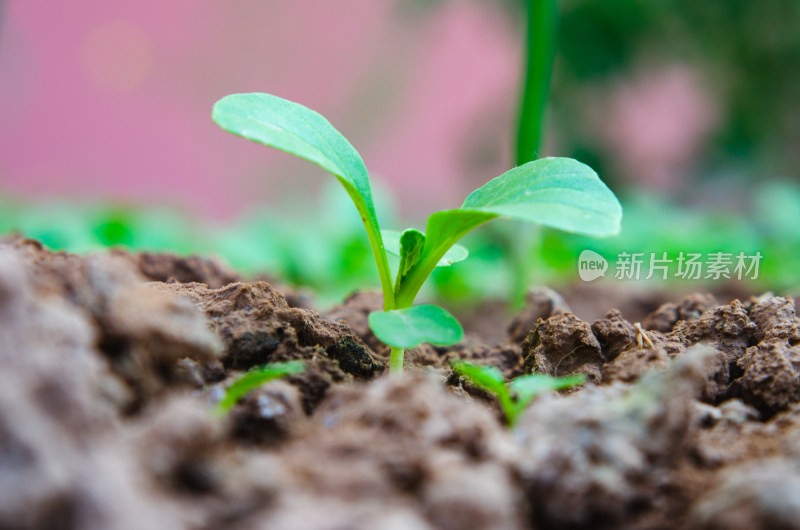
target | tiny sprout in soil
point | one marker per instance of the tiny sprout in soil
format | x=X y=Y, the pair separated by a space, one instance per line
x=515 y=396
x=253 y=379
x=558 y=192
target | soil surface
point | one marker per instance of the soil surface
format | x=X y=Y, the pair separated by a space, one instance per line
x=112 y=365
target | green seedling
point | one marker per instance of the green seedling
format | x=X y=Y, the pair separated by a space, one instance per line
x=558 y=192
x=253 y=379
x=514 y=397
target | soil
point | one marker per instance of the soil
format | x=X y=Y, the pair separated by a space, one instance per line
x=112 y=364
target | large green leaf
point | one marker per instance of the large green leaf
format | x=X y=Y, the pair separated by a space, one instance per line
x=411 y=326
x=298 y=130
x=557 y=192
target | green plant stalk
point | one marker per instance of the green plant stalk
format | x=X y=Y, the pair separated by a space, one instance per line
x=542 y=26
x=540 y=52
x=508 y=406
x=378 y=250
x=396 y=360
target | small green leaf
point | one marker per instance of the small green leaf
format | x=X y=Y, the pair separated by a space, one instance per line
x=486 y=377
x=456 y=253
x=489 y=378
x=410 y=327
x=255 y=378
x=528 y=387
x=411 y=243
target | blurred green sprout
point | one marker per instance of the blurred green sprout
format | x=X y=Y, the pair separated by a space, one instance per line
x=255 y=378
x=514 y=397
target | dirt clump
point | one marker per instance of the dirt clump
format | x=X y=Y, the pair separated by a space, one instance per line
x=775 y=318
x=257 y=327
x=354 y=312
x=728 y=329
x=563 y=344
x=169 y=268
x=143 y=333
x=59 y=412
x=442 y=456
x=507 y=357
x=667 y=315
x=614 y=334
x=733 y=432
x=765 y=494
x=597 y=458
x=540 y=302
x=635 y=362
x=771 y=375
x=268 y=415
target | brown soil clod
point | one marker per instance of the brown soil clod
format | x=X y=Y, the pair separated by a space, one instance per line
x=540 y=302
x=755 y=495
x=614 y=334
x=268 y=415
x=143 y=333
x=666 y=316
x=354 y=312
x=429 y=449
x=561 y=345
x=635 y=362
x=775 y=318
x=581 y=471
x=175 y=269
x=729 y=330
x=257 y=327
x=770 y=377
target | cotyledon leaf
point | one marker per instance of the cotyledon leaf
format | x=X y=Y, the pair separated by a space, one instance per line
x=411 y=326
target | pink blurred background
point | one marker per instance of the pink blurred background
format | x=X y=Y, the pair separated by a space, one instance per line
x=106 y=99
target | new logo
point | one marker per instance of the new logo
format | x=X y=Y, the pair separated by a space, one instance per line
x=591 y=265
